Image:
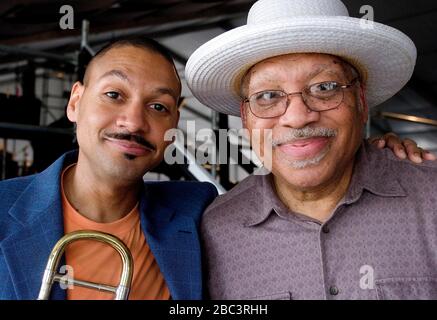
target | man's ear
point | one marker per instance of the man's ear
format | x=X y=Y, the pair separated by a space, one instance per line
x=73 y=103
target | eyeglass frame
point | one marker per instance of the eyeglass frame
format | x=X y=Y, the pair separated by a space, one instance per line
x=287 y=95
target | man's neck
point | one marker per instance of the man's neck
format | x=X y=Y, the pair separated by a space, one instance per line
x=96 y=199
x=317 y=203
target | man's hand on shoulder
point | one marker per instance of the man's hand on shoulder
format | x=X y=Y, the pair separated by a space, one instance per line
x=403 y=149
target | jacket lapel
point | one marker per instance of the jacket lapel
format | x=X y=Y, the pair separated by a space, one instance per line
x=38 y=216
x=174 y=243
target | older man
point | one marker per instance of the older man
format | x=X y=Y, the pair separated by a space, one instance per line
x=128 y=100
x=336 y=218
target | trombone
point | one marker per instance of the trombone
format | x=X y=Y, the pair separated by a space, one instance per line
x=51 y=275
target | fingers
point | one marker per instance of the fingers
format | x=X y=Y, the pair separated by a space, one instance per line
x=403 y=149
x=377 y=141
x=429 y=156
x=414 y=153
x=417 y=154
x=395 y=144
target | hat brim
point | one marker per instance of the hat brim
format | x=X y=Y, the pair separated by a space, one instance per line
x=384 y=56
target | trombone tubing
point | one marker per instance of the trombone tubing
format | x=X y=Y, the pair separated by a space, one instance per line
x=50 y=274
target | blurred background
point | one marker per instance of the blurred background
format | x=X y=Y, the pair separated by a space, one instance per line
x=42 y=53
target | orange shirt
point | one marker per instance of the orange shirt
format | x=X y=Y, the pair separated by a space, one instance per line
x=98 y=262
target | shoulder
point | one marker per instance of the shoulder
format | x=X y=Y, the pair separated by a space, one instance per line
x=15 y=184
x=413 y=177
x=235 y=202
x=11 y=189
x=187 y=196
x=185 y=190
x=40 y=183
x=405 y=169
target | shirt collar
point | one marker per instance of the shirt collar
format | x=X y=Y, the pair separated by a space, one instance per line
x=372 y=172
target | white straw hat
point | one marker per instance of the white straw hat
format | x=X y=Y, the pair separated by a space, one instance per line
x=384 y=56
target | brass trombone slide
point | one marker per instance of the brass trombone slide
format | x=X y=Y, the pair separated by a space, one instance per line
x=51 y=275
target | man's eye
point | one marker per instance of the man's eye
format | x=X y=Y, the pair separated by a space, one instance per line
x=112 y=94
x=158 y=107
x=267 y=96
x=324 y=87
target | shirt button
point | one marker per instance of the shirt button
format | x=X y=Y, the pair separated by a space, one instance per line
x=325 y=229
x=333 y=290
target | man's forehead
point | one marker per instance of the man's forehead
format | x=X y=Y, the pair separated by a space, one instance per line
x=121 y=56
x=103 y=63
x=123 y=63
x=118 y=56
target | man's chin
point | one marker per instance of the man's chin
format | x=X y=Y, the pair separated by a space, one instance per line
x=127 y=167
x=302 y=179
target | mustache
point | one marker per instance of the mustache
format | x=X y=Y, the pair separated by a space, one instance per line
x=132 y=137
x=303 y=133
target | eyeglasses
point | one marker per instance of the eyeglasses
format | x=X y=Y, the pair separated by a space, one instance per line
x=317 y=97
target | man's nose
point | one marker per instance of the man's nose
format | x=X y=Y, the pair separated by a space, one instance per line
x=134 y=118
x=297 y=114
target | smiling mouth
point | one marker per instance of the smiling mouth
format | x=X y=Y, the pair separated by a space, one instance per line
x=304 y=148
x=130 y=148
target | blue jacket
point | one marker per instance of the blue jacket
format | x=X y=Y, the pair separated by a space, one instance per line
x=31 y=222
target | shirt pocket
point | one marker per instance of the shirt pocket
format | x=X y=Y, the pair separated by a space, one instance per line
x=419 y=288
x=275 y=296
